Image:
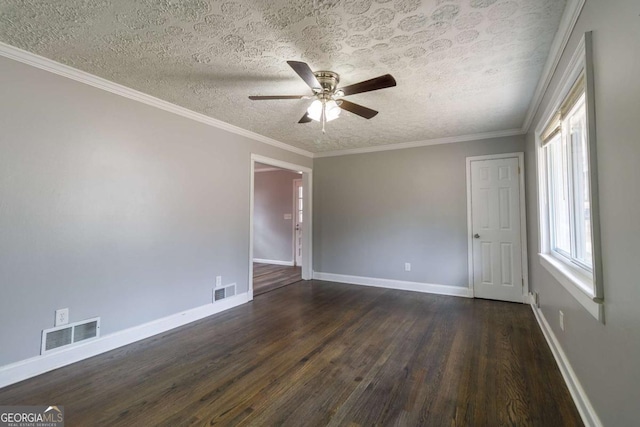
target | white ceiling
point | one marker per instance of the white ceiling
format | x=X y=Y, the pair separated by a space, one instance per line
x=462 y=66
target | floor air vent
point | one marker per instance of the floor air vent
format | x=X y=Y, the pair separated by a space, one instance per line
x=226 y=292
x=71 y=333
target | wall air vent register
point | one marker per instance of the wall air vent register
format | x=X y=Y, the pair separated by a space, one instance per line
x=71 y=333
x=222 y=293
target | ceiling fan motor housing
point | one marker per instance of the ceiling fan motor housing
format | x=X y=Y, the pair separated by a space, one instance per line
x=328 y=80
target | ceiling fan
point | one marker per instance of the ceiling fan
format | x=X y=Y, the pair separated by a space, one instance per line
x=327 y=96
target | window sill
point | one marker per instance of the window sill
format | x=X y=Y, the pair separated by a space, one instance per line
x=575 y=283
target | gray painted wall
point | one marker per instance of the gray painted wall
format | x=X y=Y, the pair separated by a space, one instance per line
x=604 y=357
x=272 y=234
x=374 y=212
x=112 y=208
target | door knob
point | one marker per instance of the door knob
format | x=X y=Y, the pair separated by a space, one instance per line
x=476 y=236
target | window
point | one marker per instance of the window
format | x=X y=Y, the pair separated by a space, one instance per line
x=568 y=198
x=565 y=149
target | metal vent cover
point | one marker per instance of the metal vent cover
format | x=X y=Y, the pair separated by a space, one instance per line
x=230 y=291
x=226 y=292
x=218 y=294
x=55 y=339
x=69 y=334
x=84 y=331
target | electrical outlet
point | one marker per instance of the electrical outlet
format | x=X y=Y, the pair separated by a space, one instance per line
x=218 y=281
x=561 y=320
x=62 y=317
x=407 y=266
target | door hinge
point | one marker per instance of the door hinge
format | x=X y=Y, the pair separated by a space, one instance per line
x=523 y=283
x=518 y=170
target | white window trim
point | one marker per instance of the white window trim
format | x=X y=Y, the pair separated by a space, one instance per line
x=586 y=289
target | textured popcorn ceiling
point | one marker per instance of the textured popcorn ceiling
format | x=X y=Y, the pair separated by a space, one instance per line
x=462 y=66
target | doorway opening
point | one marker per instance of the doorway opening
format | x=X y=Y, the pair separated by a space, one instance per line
x=280 y=225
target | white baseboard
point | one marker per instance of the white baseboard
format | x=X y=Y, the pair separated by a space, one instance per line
x=273 y=261
x=428 y=288
x=580 y=398
x=24 y=369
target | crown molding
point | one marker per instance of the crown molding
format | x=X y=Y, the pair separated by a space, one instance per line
x=52 y=66
x=569 y=19
x=414 y=144
x=567 y=24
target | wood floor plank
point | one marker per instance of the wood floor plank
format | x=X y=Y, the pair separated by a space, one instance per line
x=321 y=353
x=268 y=277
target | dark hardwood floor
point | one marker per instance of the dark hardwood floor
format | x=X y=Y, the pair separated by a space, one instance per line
x=267 y=277
x=320 y=354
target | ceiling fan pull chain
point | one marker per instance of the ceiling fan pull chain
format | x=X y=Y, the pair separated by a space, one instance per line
x=324 y=114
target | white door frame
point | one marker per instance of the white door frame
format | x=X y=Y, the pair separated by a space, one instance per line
x=523 y=220
x=307 y=232
x=295 y=219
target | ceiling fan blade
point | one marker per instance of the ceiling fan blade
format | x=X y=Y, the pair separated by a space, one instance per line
x=358 y=109
x=268 y=97
x=381 y=82
x=303 y=70
x=305 y=118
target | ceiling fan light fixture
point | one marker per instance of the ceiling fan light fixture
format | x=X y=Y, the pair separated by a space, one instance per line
x=331 y=110
x=325 y=91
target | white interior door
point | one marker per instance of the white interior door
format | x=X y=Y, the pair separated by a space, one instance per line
x=298 y=209
x=495 y=219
